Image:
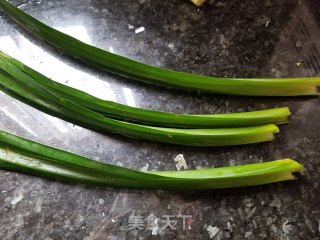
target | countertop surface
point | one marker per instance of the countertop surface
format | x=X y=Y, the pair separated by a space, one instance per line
x=223 y=38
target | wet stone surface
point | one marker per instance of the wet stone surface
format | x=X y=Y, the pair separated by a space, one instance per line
x=224 y=38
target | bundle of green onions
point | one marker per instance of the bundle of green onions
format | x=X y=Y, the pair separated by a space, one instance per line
x=33 y=88
x=107 y=61
x=21 y=155
x=80 y=108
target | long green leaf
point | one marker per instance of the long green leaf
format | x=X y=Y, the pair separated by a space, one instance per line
x=29 y=91
x=104 y=60
x=149 y=117
x=22 y=155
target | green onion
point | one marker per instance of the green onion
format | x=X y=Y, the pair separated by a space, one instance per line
x=107 y=61
x=18 y=85
x=148 y=117
x=22 y=155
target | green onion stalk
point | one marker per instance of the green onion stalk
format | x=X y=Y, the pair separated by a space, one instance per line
x=20 y=86
x=110 y=62
x=25 y=156
x=144 y=116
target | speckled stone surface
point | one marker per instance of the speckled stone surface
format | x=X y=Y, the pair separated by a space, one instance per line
x=258 y=38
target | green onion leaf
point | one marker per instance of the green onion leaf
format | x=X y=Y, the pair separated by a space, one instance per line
x=107 y=61
x=22 y=155
x=20 y=86
x=143 y=116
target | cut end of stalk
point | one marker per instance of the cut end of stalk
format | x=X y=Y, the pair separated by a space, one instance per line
x=273 y=128
x=295 y=166
x=199 y=3
x=283 y=116
x=315 y=89
x=292 y=167
x=312 y=86
x=286 y=111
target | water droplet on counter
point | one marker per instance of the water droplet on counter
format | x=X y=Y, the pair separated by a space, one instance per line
x=23 y=4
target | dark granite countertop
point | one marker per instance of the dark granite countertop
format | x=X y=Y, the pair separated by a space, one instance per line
x=258 y=38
